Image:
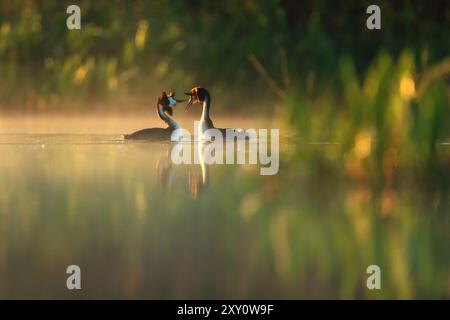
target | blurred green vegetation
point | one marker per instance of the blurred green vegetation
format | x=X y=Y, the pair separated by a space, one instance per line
x=126 y=52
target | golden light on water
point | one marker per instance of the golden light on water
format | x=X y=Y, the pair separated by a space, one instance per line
x=140 y=200
x=407 y=87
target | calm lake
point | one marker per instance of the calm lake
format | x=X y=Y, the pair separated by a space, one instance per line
x=140 y=226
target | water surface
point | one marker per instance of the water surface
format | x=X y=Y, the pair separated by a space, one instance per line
x=140 y=226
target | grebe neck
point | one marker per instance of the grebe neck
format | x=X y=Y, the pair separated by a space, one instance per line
x=205 y=114
x=167 y=118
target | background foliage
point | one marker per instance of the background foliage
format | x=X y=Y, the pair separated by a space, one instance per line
x=127 y=50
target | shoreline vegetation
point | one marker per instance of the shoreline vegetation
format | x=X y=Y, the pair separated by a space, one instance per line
x=123 y=51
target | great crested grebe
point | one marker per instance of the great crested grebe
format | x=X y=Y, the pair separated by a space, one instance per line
x=165 y=111
x=199 y=95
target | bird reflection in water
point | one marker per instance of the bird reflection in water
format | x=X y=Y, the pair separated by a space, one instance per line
x=198 y=181
x=198 y=175
x=164 y=171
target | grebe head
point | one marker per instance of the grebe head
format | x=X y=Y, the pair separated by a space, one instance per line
x=197 y=95
x=166 y=102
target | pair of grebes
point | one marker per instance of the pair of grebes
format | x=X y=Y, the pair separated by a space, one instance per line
x=166 y=102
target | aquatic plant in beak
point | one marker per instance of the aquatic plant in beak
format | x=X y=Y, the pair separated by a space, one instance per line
x=193 y=98
x=172 y=100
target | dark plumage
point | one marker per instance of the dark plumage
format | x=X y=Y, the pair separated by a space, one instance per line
x=165 y=111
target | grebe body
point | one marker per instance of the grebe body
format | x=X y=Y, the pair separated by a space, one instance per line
x=165 y=111
x=199 y=95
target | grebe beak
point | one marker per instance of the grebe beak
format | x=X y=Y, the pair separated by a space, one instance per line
x=172 y=100
x=191 y=100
